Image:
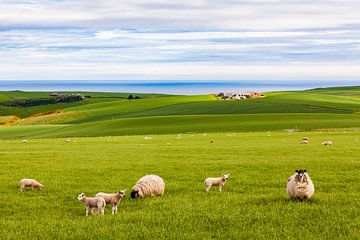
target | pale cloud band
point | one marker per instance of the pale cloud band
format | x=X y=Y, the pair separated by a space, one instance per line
x=199 y=39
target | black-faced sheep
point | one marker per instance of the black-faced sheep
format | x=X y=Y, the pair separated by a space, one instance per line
x=148 y=186
x=92 y=203
x=300 y=186
x=26 y=182
x=327 y=143
x=218 y=182
x=112 y=198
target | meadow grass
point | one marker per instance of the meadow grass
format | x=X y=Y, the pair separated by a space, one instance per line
x=252 y=205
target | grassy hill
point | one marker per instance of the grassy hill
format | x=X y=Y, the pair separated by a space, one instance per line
x=113 y=114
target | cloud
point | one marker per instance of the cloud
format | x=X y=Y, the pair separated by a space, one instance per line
x=161 y=39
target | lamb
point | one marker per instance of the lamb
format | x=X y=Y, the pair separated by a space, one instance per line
x=219 y=182
x=26 y=182
x=300 y=186
x=112 y=198
x=148 y=186
x=93 y=202
x=327 y=142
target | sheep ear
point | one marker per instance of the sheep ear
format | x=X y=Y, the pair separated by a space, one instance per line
x=296 y=170
x=304 y=170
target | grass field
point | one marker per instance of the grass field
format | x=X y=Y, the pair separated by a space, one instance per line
x=257 y=141
x=252 y=205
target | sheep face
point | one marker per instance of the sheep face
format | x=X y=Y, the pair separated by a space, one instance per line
x=300 y=175
x=81 y=196
x=226 y=176
x=134 y=193
x=122 y=193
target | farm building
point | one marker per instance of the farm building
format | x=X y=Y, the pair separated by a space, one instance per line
x=238 y=96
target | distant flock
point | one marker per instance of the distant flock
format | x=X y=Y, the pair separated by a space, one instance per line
x=299 y=187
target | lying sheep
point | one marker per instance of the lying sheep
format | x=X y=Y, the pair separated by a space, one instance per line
x=211 y=141
x=327 y=143
x=93 y=202
x=24 y=141
x=300 y=186
x=304 y=141
x=112 y=198
x=148 y=186
x=26 y=182
x=305 y=138
x=218 y=182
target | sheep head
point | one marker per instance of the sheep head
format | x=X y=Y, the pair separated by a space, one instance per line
x=226 y=176
x=122 y=193
x=300 y=175
x=81 y=197
x=134 y=193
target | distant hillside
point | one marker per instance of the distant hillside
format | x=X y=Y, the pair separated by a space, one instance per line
x=114 y=113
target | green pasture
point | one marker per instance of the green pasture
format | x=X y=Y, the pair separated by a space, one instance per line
x=252 y=205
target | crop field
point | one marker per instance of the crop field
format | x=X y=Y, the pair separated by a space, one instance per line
x=253 y=203
x=107 y=142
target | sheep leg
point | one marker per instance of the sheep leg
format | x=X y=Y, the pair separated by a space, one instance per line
x=113 y=209
x=101 y=210
x=208 y=188
x=92 y=211
x=220 y=188
x=87 y=212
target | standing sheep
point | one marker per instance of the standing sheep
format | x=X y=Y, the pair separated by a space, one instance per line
x=26 y=182
x=112 y=198
x=218 y=182
x=300 y=186
x=148 y=186
x=92 y=202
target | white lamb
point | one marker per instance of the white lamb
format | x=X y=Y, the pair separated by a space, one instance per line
x=112 y=198
x=327 y=143
x=148 y=186
x=93 y=202
x=218 y=182
x=26 y=182
x=300 y=186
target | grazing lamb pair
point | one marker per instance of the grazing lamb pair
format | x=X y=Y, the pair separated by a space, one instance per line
x=100 y=200
x=299 y=186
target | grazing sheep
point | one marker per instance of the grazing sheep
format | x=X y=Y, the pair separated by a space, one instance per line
x=148 y=186
x=211 y=141
x=327 y=143
x=92 y=202
x=305 y=138
x=304 y=141
x=26 y=182
x=112 y=198
x=300 y=186
x=67 y=140
x=148 y=138
x=24 y=141
x=218 y=182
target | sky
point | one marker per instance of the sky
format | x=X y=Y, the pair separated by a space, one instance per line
x=282 y=40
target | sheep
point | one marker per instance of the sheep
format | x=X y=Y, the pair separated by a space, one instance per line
x=93 y=202
x=327 y=142
x=219 y=182
x=148 y=186
x=24 y=141
x=300 y=186
x=112 y=198
x=305 y=138
x=67 y=140
x=26 y=182
x=212 y=141
x=304 y=141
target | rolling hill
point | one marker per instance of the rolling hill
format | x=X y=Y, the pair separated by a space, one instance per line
x=113 y=114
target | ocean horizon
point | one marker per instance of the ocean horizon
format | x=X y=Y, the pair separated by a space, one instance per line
x=164 y=87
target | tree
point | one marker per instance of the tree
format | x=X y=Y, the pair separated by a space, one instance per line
x=131 y=97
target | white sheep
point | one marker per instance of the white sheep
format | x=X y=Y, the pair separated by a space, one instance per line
x=24 y=141
x=26 y=182
x=92 y=203
x=304 y=141
x=218 y=182
x=327 y=143
x=300 y=186
x=148 y=186
x=112 y=198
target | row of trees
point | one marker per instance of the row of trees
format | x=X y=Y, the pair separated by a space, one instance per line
x=43 y=101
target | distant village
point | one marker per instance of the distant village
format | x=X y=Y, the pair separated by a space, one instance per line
x=239 y=96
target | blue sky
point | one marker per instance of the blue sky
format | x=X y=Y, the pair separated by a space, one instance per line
x=270 y=40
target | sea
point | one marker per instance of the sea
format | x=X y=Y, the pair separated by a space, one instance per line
x=166 y=86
